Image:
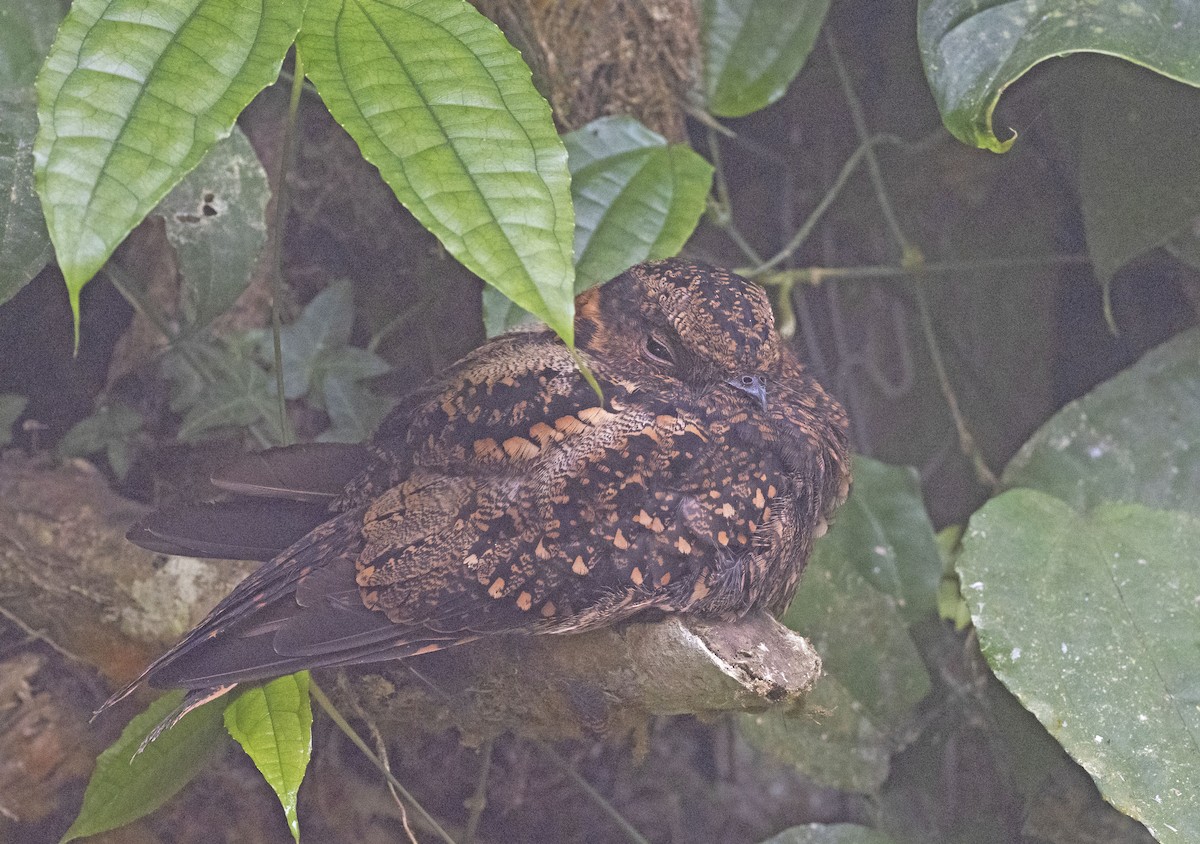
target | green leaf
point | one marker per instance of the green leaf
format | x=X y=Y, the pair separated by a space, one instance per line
x=637 y=198
x=753 y=49
x=24 y=242
x=1131 y=439
x=132 y=96
x=323 y=326
x=11 y=408
x=110 y=430
x=273 y=724
x=1093 y=622
x=125 y=786
x=838 y=833
x=27 y=28
x=1139 y=163
x=446 y=109
x=884 y=531
x=973 y=50
x=216 y=220
x=354 y=410
x=230 y=390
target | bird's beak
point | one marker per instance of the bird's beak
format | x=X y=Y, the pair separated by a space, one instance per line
x=751 y=385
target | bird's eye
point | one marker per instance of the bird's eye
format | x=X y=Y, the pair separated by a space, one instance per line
x=658 y=351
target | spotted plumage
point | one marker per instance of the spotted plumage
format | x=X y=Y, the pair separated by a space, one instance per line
x=503 y=497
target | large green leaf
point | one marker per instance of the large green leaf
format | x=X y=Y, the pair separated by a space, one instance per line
x=11 y=408
x=974 y=49
x=753 y=49
x=637 y=198
x=132 y=96
x=273 y=724
x=1093 y=622
x=216 y=220
x=1131 y=439
x=1139 y=163
x=127 y=785
x=446 y=109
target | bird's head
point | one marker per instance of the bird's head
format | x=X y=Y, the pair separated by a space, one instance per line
x=682 y=322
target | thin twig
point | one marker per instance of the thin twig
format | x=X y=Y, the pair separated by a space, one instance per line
x=912 y=260
x=327 y=705
x=477 y=802
x=817 y=275
x=631 y=833
x=38 y=634
x=276 y=244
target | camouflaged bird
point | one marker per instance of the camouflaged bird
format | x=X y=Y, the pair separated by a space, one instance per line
x=502 y=497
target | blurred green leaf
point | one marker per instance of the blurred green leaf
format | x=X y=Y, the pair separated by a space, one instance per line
x=354 y=410
x=273 y=724
x=446 y=109
x=637 y=198
x=1131 y=439
x=1093 y=622
x=24 y=242
x=125 y=786
x=972 y=51
x=837 y=833
x=27 y=29
x=132 y=96
x=229 y=390
x=884 y=531
x=110 y=429
x=323 y=326
x=11 y=408
x=1139 y=164
x=753 y=49
x=216 y=220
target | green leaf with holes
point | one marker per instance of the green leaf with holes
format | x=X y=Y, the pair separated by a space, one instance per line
x=973 y=50
x=127 y=785
x=216 y=219
x=446 y=109
x=1093 y=621
x=131 y=97
x=273 y=724
x=753 y=49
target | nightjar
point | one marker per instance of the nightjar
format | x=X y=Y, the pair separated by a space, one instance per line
x=502 y=497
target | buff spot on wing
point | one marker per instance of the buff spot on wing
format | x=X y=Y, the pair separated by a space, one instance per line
x=636 y=576
x=488 y=449
x=519 y=448
x=497 y=587
x=595 y=415
x=548 y=609
x=683 y=545
x=525 y=601
x=569 y=424
x=579 y=566
x=620 y=541
x=540 y=551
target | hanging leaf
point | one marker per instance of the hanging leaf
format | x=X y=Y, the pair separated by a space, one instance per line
x=446 y=109
x=754 y=49
x=126 y=110
x=972 y=51
x=273 y=724
x=125 y=786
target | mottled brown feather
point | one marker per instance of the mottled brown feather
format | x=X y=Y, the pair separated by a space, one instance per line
x=502 y=497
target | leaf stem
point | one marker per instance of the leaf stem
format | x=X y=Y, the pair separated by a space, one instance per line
x=630 y=831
